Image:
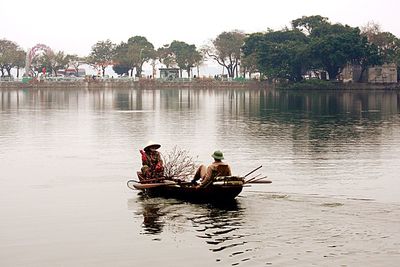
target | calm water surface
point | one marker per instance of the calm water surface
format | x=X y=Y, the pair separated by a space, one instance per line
x=333 y=157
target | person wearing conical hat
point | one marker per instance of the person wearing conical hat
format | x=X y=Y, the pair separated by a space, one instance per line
x=152 y=164
x=217 y=168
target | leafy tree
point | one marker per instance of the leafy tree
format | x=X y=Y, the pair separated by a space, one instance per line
x=307 y=24
x=133 y=54
x=166 y=56
x=102 y=54
x=10 y=56
x=60 y=61
x=121 y=69
x=388 y=45
x=226 y=50
x=139 y=50
x=249 y=64
x=313 y=43
x=198 y=61
x=333 y=46
x=369 y=58
x=51 y=61
x=122 y=63
x=20 y=60
x=279 y=54
x=186 y=56
x=251 y=48
x=76 y=61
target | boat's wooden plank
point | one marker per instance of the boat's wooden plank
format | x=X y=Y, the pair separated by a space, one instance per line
x=141 y=186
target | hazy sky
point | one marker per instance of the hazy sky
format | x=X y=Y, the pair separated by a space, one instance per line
x=74 y=26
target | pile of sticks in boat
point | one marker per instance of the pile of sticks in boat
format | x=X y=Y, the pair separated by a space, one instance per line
x=256 y=179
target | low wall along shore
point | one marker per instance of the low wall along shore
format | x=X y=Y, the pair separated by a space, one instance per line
x=194 y=84
x=138 y=84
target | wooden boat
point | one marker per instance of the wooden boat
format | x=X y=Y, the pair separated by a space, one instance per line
x=221 y=189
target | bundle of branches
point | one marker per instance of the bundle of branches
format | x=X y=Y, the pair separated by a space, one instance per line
x=178 y=164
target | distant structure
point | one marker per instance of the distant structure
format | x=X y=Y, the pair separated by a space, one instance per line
x=81 y=72
x=31 y=53
x=169 y=73
x=350 y=73
x=387 y=73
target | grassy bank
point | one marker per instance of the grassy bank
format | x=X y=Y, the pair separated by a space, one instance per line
x=333 y=85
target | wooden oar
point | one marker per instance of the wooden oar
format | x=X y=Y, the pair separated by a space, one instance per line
x=259 y=181
x=252 y=178
x=253 y=171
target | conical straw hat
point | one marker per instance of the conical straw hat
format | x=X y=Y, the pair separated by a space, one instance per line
x=152 y=144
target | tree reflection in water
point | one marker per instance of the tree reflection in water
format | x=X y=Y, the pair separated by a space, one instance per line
x=219 y=225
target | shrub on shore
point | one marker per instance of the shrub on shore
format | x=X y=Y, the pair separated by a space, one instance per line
x=312 y=84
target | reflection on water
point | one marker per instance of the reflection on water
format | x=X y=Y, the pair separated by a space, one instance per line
x=313 y=141
x=65 y=157
x=284 y=106
x=367 y=104
x=269 y=228
x=219 y=226
x=152 y=217
x=208 y=217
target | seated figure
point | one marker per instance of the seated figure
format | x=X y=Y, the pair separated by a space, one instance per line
x=152 y=164
x=217 y=168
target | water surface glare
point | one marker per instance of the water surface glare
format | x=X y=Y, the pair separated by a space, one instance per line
x=333 y=157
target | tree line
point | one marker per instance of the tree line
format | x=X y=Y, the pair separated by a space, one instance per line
x=312 y=43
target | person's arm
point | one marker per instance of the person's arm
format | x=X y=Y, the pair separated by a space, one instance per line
x=209 y=172
x=205 y=181
x=144 y=157
x=230 y=171
x=160 y=164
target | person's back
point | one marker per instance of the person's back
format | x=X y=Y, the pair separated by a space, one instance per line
x=217 y=168
x=224 y=170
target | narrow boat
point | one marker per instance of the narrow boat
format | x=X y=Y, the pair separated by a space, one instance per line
x=221 y=189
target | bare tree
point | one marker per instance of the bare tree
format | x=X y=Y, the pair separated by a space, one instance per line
x=178 y=164
x=371 y=30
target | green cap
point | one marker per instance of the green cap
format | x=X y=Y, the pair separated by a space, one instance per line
x=218 y=155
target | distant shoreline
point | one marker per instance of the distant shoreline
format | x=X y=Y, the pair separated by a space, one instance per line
x=194 y=84
x=135 y=84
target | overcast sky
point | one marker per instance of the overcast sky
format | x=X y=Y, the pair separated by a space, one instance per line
x=74 y=26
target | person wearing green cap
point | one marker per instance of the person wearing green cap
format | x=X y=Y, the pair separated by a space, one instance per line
x=217 y=168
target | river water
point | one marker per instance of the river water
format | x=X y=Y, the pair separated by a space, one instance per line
x=333 y=157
